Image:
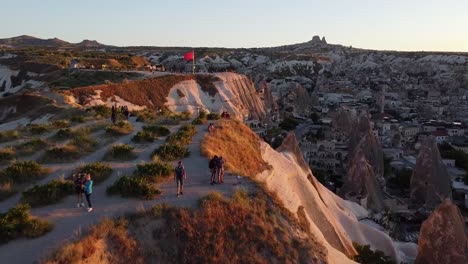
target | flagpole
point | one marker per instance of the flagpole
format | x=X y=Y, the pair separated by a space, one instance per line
x=193 y=61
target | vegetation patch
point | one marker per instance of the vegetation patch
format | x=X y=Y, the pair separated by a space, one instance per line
x=154 y=171
x=6 y=154
x=6 y=189
x=99 y=171
x=121 y=152
x=9 y=135
x=47 y=194
x=24 y=172
x=37 y=129
x=130 y=186
x=183 y=136
x=60 y=124
x=120 y=128
x=249 y=228
x=144 y=137
x=18 y=223
x=201 y=119
x=368 y=256
x=101 y=111
x=169 y=152
x=238 y=144
x=30 y=147
x=213 y=116
x=157 y=130
x=107 y=242
x=78 y=146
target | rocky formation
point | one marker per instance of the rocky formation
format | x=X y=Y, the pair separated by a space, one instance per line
x=430 y=183
x=443 y=238
x=360 y=183
x=332 y=220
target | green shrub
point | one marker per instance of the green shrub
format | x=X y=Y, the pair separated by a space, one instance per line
x=119 y=129
x=183 y=136
x=99 y=171
x=60 y=124
x=31 y=146
x=9 y=135
x=102 y=111
x=202 y=114
x=368 y=256
x=121 y=152
x=24 y=171
x=37 y=129
x=157 y=130
x=144 y=136
x=154 y=171
x=199 y=121
x=61 y=154
x=77 y=119
x=213 y=116
x=170 y=152
x=49 y=193
x=17 y=223
x=63 y=133
x=84 y=142
x=146 y=116
x=6 y=154
x=139 y=187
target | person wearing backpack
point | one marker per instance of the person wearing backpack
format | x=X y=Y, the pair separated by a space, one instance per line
x=88 y=190
x=179 y=177
x=79 y=188
x=220 y=167
x=212 y=165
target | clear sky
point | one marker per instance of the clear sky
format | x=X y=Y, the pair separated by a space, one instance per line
x=376 y=24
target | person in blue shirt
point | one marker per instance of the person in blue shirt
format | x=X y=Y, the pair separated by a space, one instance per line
x=88 y=190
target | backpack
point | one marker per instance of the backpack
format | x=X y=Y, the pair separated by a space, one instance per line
x=212 y=164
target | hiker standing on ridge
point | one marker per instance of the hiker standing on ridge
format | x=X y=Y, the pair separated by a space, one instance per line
x=212 y=165
x=88 y=190
x=220 y=167
x=179 y=177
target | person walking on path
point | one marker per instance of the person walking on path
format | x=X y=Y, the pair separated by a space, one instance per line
x=220 y=167
x=79 y=189
x=179 y=177
x=212 y=165
x=88 y=190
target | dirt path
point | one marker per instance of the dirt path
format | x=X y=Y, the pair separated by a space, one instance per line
x=69 y=220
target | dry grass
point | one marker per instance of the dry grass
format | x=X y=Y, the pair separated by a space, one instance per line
x=106 y=242
x=6 y=154
x=238 y=145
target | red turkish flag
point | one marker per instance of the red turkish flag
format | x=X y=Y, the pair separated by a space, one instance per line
x=188 y=56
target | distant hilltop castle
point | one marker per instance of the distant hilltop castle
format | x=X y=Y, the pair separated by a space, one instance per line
x=316 y=40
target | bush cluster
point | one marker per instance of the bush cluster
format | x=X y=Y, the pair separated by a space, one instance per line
x=119 y=129
x=31 y=146
x=176 y=144
x=23 y=172
x=130 y=186
x=151 y=133
x=101 y=111
x=99 y=171
x=46 y=194
x=37 y=129
x=60 y=124
x=80 y=144
x=9 y=135
x=6 y=154
x=142 y=183
x=213 y=116
x=17 y=223
x=121 y=152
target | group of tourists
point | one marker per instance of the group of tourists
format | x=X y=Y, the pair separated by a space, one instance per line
x=216 y=167
x=211 y=128
x=83 y=185
x=119 y=111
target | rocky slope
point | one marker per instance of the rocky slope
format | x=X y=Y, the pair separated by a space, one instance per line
x=360 y=184
x=219 y=92
x=430 y=183
x=444 y=237
x=332 y=220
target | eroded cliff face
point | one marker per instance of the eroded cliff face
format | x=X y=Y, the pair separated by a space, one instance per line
x=234 y=94
x=360 y=183
x=430 y=183
x=443 y=238
x=332 y=220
